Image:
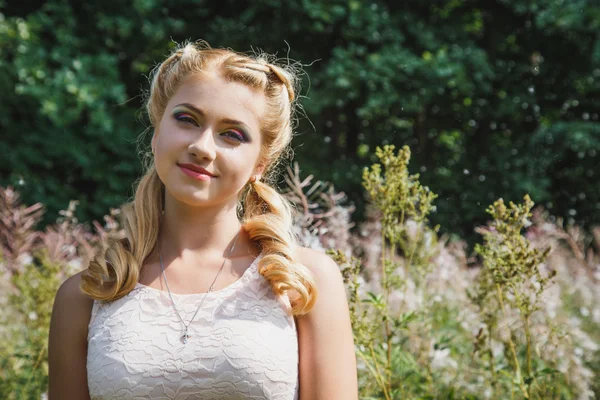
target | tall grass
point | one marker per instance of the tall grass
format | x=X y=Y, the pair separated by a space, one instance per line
x=518 y=316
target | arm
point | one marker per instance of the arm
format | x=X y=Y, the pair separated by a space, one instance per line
x=326 y=342
x=67 y=342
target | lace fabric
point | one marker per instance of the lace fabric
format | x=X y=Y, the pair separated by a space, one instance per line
x=243 y=345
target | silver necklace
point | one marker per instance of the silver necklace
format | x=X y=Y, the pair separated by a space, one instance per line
x=184 y=333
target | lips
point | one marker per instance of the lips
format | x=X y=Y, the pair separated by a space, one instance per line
x=196 y=172
x=196 y=168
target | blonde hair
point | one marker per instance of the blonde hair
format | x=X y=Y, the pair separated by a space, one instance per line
x=266 y=214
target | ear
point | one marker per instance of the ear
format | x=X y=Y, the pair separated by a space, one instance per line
x=259 y=170
x=153 y=142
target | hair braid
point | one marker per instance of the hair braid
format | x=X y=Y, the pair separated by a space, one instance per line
x=267 y=219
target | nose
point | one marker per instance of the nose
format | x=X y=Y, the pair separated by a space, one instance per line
x=204 y=146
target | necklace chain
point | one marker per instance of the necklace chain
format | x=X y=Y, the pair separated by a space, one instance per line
x=184 y=333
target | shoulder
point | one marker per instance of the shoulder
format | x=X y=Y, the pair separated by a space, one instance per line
x=67 y=341
x=326 y=345
x=71 y=304
x=320 y=264
x=70 y=290
x=329 y=282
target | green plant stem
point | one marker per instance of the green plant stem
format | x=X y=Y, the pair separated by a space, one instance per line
x=528 y=337
x=511 y=344
x=374 y=357
x=386 y=294
x=388 y=333
x=375 y=371
x=357 y=302
x=412 y=254
x=492 y=368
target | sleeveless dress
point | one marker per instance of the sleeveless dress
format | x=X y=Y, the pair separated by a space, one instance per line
x=243 y=345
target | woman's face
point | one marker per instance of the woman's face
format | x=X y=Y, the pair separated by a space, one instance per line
x=211 y=124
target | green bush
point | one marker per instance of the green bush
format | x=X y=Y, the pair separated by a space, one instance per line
x=496 y=98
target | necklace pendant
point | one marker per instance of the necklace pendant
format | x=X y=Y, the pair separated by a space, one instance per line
x=185 y=336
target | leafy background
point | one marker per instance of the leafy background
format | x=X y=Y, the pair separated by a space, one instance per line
x=495 y=98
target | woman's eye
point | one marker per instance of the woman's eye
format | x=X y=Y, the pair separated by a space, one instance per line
x=182 y=117
x=235 y=135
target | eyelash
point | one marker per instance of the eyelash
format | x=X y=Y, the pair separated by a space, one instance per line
x=186 y=119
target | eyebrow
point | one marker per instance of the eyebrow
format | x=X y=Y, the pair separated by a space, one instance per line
x=203 y=114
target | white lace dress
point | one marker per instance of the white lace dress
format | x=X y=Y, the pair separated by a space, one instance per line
x=243 y=345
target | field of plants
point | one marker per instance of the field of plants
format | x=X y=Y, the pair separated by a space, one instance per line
x=446 y=155
x=517 y=316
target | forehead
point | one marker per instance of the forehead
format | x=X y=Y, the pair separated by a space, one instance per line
x=221 y=99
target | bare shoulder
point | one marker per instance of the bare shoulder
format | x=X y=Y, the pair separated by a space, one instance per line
x=67 y=341
x=71 y=311
x=319 y=263
x=329 y=280
x=70 y=296
x=326 y=344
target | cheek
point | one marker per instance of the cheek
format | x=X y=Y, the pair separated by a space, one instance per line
x=238 y=168
x=170 y=145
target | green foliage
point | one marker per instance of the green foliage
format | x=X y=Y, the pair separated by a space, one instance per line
x=426 y=351
x=491 y=96
x=24 y=372
x=496 y=99
x=401 y=199
x=511 y=278
x=402 y=205
x=425 y=324
x=65 y=135
x=510 y=262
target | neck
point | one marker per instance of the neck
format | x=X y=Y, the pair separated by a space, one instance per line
x=200 y=233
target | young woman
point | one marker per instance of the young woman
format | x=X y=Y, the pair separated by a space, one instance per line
x=207 y=296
